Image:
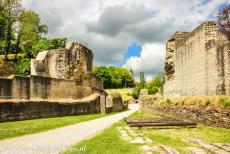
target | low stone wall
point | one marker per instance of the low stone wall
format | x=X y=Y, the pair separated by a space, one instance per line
x=37 y=87
x=24 y=110
x=206 y=115
x=115 y=104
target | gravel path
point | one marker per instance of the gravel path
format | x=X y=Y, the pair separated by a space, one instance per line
x=57 y=140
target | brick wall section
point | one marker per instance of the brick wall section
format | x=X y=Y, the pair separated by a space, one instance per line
x=201 y=63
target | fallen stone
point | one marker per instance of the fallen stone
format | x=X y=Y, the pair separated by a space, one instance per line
x=148 y=148
x=195 y=150
x=168 y=150
x=148 y=140
x=210 y=148
x=138 y=141
x=224 y=146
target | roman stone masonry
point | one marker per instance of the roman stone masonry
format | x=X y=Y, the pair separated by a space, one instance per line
x=197 y=63
x=73 y=62
x=61 y=83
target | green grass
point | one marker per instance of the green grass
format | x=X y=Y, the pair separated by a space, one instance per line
x=125 y=92
x=144 y=115
x=221 y=101
x=107 y=142
x=18 y=128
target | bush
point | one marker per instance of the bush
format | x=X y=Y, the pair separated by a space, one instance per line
x=225 y=103
x=135 y=93
x=22 y=66
x=153 y=90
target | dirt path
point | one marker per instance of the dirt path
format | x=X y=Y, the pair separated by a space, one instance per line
x=58 y=140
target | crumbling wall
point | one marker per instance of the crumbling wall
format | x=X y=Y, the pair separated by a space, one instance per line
x=37 y=87
x=198 y=60
x=24 y=110
x=5 y=88
x=73 y=62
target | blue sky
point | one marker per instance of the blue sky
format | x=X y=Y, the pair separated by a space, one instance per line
x=133 y=50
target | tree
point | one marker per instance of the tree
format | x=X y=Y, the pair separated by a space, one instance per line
x=155 y=84
x=103 y=74
x=22 y=65
x=2 y=26
x=31 y=31
x=12 y=11
x=223 y=21
x=142 y=79
x=114 y=77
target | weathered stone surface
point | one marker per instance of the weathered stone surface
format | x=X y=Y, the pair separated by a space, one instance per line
x=168 y=150
x=195 y=150
x=59 y=75
x=24 y=110
x=73 y=62
x=197 y=63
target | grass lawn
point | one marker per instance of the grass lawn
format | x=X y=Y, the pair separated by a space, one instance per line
x=124 y=92
x=109 y=141
x=18 y=128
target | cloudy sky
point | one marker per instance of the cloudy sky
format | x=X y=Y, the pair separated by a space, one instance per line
x=126 y=33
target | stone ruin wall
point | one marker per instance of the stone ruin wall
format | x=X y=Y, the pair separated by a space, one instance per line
x=73 y=62
x=61 y=84
x=56 y=74
x=197 y=70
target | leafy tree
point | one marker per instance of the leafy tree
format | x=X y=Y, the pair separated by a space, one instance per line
x=31 y=31
x=12 y=10
x=142 y=80
x=114 y=77
x=2 y=26
x=47 y=44
x=22 y=66
x=223 y=21
x=103 y=73
x=155 y=84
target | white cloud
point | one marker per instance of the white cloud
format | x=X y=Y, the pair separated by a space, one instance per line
x=151 y=60
x=110 y=26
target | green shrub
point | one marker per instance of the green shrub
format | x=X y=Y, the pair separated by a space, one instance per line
x=224 y=102
x=153 y=90
x=207 y=102
x=135 y=93
x=168 y=101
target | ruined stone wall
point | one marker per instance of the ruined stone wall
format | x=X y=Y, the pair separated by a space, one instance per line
x=24 y=110
x=226 y=50
x=197 y=68
x=73 y=62
x=5 y=88
x=37 y=87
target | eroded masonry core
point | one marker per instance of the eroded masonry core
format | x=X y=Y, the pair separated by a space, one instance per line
x=197 y=63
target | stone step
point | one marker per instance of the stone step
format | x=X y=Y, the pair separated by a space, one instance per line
x=224 y=146
x=211 y=148
x=195 y=150
x=214 y=149
x=168 y=150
